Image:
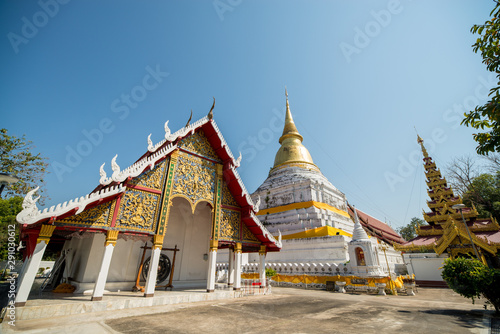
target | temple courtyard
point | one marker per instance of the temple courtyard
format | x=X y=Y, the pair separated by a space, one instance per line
x=286 y=310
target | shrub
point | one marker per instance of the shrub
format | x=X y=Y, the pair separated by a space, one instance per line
x=270 y=272
x=472 y=279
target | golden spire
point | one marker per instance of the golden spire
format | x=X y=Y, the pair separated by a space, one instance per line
x=421 y=142
x=290 y=129
x=291 y=150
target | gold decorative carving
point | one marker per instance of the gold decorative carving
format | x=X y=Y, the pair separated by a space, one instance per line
x=111 y=238
x=237 y=247
x=227 y=197
x=194 y=179
x=214 y=245
x=151 y=178
x=230 y=225
x=248 y=235
x=158 y=241
x=262 y=250
x=138 y=210
x=96 y=216
x=198 y=143
x=45 y=233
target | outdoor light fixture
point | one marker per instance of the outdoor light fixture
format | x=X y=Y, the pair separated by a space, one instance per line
x=6 y=178
x=205 y=256
x=460 y=207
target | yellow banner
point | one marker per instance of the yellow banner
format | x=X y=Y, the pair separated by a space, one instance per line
x=309 y=279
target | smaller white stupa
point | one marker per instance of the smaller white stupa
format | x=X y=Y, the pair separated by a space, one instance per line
x=362 y=253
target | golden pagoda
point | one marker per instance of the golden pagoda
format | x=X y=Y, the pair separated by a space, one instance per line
x=292 y=151
x=446 y=231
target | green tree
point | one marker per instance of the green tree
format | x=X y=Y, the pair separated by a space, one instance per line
x=472 y=279
x=409 y=232
x=488 y=115
x=484 y=193
x=16 y=158
x=9 y=208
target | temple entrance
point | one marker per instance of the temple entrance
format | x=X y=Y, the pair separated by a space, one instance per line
x=191 y=233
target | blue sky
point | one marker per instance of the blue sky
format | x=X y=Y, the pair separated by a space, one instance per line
x=85 y=80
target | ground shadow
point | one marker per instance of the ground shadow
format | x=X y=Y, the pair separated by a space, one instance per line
x=467 y=319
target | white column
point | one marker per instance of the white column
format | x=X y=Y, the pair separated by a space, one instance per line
x=31 y=268
x=237 y=267
x=100 y=283
x=230 y=268
x=262 y=266
x=212 y=262
x=149 y=290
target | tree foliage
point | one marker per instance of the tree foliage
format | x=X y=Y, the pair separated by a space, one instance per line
x=17 y=158
x=487 y=116
x=484 y=193
x=471 y=279
x=9 y=208
x=461 y=171
x=409 y=232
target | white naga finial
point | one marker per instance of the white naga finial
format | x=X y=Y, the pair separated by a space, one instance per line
x=257 y=205
x=167 y=131
x=115 y=168
x=238 y=161
x=103 y=175
x=29 y=207
x=150 y=144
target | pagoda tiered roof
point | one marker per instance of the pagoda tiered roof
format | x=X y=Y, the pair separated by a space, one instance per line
x=447 y=231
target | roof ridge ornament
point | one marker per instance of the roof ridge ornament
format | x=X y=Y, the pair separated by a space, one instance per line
x=150 y=144
x=256 y=206
x=104 y=180
x=211 y=112
x=189 y=120
x=116 y=169
x=30 y=208
x=237 y=162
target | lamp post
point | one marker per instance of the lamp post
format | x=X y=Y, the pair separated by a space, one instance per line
x=6 y=178
x=460 y=207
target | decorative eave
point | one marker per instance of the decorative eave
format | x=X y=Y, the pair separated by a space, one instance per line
x=110 y=187
x=31 y=214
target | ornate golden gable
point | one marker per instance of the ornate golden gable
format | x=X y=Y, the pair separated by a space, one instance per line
x=96 y=216
x=198 y=143
x=152 y=179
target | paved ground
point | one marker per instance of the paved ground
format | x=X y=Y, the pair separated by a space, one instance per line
x=289 y=310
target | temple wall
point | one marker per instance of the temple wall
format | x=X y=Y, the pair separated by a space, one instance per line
x=84 y=261
x=296 y=220
x=321 y=249
x=425 y=266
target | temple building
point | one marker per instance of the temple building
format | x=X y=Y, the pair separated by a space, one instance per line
x=446 y=234
x=298 y=203
x=174 y=209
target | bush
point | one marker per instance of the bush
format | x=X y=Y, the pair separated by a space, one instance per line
x=270 y=272
x=472 y=279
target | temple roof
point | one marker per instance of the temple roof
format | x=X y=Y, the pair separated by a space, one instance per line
x=113 y=186
x=376 y=227
x=291 y=150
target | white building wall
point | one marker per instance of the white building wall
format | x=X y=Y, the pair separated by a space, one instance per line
x=425 y=266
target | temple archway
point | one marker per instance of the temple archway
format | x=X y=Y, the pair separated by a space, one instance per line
x=191 y=233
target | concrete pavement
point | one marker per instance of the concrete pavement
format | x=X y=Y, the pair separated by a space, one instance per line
x=288 y=310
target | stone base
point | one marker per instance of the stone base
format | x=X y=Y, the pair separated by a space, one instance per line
x=96 y=299
x=147 y=295
x=210 y=290
x=236 y=289
x=19 y=304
